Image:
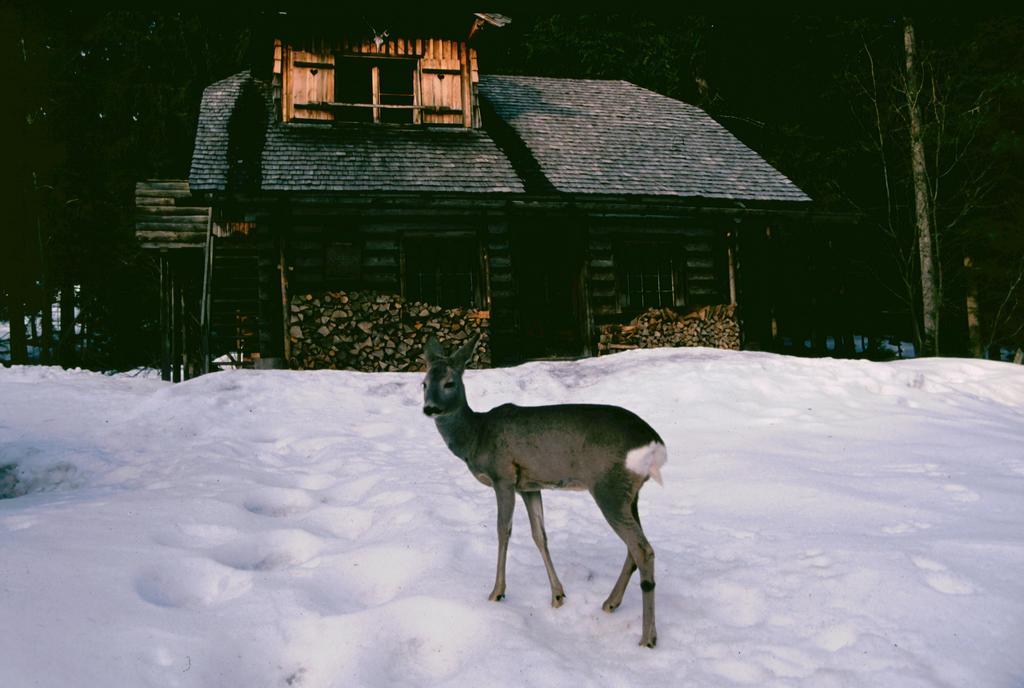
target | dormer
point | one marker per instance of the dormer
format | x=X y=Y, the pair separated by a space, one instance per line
x=376 y=75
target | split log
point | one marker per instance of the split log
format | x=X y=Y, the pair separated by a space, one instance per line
x=711 y=326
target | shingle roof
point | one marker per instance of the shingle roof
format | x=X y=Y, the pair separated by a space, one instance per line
x=312 y=157
x=582 y=136
x=210 y=155
x=613 y=137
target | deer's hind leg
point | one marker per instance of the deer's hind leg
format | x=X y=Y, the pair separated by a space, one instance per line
x=615 y=597
x=535 y=508
x=615 y=497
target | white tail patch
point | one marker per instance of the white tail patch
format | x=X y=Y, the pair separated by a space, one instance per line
x=648 y=460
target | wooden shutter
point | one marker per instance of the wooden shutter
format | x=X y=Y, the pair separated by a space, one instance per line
x=308 y=81
x=441 y=77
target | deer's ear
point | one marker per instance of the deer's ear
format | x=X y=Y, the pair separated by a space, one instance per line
x=433 y=350
x=461 y=357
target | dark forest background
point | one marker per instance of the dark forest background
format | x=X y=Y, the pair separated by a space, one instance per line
x=97 y=100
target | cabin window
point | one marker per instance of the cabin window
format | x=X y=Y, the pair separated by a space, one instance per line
x=650 y=276
x=443 y=272
x=375 y=90
x=342 y=264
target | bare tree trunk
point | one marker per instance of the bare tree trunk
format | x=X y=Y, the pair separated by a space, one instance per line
x=16 y=312
x=45 y=340
x=922 y=212
x=67 y=324
x=12 y=265
x=46 y=327
x=973 y=321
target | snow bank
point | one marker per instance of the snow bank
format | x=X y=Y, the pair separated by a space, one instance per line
x=823 y=523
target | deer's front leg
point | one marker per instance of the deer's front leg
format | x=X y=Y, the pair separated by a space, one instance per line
x=506 y=494
x=535 y=508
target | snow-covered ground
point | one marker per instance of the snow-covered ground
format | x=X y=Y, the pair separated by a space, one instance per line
x=823 y=523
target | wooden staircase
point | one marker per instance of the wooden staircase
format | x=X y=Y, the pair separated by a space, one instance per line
x=231 y=303
x=215 y=323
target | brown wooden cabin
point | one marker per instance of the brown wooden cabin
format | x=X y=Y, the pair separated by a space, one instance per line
x=388 y=165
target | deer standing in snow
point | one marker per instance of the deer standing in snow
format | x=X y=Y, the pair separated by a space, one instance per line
x=606 y=450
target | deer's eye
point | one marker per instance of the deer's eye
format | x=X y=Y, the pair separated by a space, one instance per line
x=449 y=385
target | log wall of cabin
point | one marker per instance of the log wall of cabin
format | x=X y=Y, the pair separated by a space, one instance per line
x=310 y=237
x=445 y=83
x=382 y=262
x=269 y=285
x=379 y=239
x=504 y=326
x=704 y=273
x=379 y=242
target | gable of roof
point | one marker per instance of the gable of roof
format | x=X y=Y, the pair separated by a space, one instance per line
x=613 y=137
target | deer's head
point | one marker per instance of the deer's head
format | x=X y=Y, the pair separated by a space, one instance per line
x=442 y=387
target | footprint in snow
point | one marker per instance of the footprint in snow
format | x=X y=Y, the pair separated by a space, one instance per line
x=279 y=502
x=13 y=523
x=959 y=493
x=930 y=469
x=836 y=638
x=904 y=528
x=736 y=605
x=391 y=498
x=353 y=490
x=789 y=662
x=189 y=535
x=192 y=583
x=346 y=522
x=309 y=481
x=738 y=671
x=371 y=430
x=939 y=578
x=815 y=558
x=271 y=551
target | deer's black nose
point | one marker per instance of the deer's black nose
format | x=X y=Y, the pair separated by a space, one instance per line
x=431 y=410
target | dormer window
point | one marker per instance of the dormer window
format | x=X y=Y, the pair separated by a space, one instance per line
x=380 y=90
x=399 y=81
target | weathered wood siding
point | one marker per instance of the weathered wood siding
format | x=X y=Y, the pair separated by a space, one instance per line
x=445 y=83
x=310 y=237
x=380 y=247
x=704 y=273
x=380 y=241
x=501 y=281
x=167 y=217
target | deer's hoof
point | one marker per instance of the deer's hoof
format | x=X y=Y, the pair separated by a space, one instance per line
x=610 y=605
x=557 y=600
x=496 y=596
x=649 y=642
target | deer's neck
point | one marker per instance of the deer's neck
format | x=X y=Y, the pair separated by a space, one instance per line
x=459 y=430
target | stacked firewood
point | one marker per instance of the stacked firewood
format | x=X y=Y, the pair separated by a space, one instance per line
x=376 y=332
x=713 y=326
